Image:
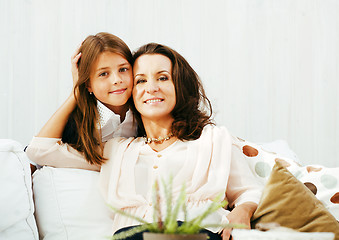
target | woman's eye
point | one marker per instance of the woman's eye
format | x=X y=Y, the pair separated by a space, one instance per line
x=123 y=69
x=163 y=78
x=104 y=74
x=140 y=81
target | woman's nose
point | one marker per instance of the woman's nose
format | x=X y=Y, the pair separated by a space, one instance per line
x=152 y=87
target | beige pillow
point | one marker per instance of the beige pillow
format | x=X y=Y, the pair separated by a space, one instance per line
x=285 y=200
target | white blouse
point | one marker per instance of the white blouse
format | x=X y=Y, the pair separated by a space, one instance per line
x=110 y=124
x=204 y=165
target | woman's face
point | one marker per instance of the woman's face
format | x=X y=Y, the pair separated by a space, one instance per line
x=154 y=92
x=111 y=80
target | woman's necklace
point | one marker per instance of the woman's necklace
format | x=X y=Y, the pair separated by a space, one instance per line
x=158 y=140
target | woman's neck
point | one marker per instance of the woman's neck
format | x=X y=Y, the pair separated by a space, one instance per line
x=157 y=128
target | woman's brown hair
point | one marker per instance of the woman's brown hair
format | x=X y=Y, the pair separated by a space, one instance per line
x=193 y=110
x=81 y=131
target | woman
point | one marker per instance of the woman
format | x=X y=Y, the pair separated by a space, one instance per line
x=96 y=110
x=179 y=141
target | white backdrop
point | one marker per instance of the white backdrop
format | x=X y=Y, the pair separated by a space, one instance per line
x=270 y=67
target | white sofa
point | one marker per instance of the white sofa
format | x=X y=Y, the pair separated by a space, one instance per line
x=16 y=209
x=68 y=204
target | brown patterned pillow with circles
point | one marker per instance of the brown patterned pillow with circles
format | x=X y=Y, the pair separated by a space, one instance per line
x=322 y=181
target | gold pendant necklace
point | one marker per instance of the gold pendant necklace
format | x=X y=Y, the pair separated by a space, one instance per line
x=158 y=140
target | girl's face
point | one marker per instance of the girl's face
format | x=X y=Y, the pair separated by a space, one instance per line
x=111 y=80
x=154 y=92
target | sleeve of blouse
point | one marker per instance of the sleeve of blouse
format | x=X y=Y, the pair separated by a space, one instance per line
x=243 y=186
x=52 y=152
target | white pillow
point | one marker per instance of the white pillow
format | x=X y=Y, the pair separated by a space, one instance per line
x=323 y=182
x=16 y=203
x=261 y=160
x=69 y=205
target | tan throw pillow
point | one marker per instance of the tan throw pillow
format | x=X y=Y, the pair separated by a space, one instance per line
x=288 y=202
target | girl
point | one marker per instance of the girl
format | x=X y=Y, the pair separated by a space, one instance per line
x=96 y=110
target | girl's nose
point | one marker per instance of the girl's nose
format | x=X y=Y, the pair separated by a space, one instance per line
x=116 y=80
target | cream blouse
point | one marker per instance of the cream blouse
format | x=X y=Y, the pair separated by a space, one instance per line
x=204 y=165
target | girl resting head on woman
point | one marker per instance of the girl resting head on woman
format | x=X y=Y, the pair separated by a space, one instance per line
x=95 y=111
x=105 y=74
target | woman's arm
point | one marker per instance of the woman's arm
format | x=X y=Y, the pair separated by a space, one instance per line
x=241 y=214
x=56 y=124
x=243 y=192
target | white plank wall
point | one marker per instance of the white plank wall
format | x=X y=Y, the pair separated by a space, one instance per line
x=270 y=67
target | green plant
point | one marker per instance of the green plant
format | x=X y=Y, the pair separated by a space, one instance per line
x=170 y=224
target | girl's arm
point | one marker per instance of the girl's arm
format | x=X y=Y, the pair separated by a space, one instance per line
x=46 y=148
x=56 y=124
x=51 y=152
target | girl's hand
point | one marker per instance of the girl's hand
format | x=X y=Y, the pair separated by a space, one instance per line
x=240 y=215
x=74 y=61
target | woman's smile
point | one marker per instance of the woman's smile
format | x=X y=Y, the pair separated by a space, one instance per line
x=153 y=101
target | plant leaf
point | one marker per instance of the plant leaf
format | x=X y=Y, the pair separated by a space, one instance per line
x=123 y=213
x=168 y=197
x=130 y=232
x=172 y=224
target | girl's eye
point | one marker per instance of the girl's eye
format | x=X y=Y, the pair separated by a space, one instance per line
x=104 y=74
x=163 y=78
x=123 y=69
x=140 y=81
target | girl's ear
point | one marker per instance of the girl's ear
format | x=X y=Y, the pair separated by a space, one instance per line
x=88 y=86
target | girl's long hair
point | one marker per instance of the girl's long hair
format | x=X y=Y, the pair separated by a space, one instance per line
x=193 y=110
x=82 y=131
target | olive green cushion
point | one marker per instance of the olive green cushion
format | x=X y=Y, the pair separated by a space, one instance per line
x=288 y=202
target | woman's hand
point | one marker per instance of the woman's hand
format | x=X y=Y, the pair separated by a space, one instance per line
x=240 y=215
x=74 y=61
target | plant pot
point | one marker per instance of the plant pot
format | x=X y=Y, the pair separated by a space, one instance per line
x=163 y=236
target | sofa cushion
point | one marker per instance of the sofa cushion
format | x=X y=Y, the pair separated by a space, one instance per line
x=69 y=205
x=16 y=203
x=288 y=202
x=261 y=159
x=323 y=182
